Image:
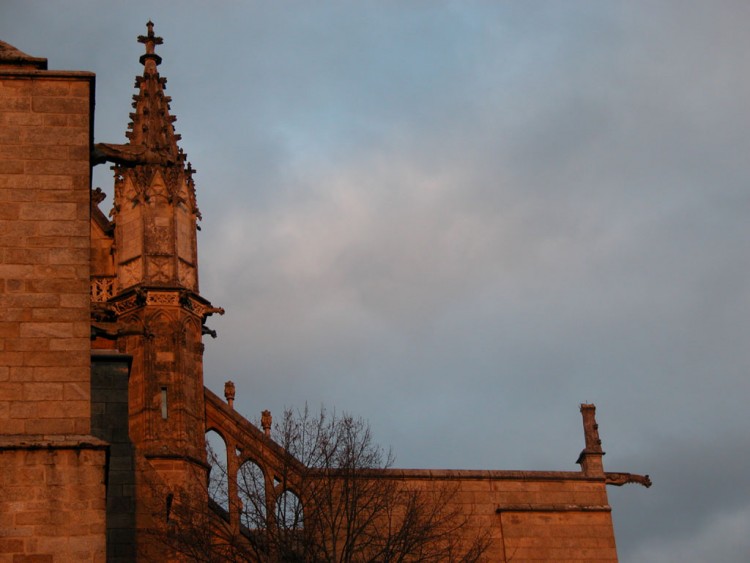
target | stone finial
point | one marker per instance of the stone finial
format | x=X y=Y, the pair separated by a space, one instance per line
x=150 y=41
x=590 y=458
x=229 y=393
x=591 y=428
x=266 y=421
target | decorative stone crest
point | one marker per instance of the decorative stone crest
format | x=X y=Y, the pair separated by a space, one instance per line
x=131 y=272
x=158 y=239
x=229 y=393
x=163 y=298
x=186 y=275
x=102 y=289
x=160 y=269
x=128 y=304
x=266 y=420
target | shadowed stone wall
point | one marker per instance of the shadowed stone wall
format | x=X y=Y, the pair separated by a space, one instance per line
x=52 y=483
x=109 y=421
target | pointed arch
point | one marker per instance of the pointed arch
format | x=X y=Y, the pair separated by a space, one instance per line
x=251 y=489
x=159 y=317
x=158 y=189
x=289 y=512
x=216 y=456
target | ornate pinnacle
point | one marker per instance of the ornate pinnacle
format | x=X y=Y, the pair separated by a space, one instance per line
x=151 y=125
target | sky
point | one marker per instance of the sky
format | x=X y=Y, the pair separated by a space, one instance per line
x=460 y=220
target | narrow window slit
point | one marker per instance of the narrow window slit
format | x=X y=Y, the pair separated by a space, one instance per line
x=164 y=403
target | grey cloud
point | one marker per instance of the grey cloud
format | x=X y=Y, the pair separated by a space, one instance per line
x=461 y=220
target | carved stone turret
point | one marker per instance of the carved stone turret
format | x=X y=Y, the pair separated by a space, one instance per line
x=155 y=208
x=156 y=263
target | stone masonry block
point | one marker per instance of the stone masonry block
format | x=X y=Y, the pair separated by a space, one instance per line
x=9 y=212
x=49 y=241
x=48 y=211
x=9 y=329
x=49 y=182
x=42 y=391
x=75 y=391
x=23 y=410
x=11 y=359
x=78 y=120
x=78 y=242
x=60 y=105
x=62 y=409
x=50 y=426
x=69 y=344
x=56 y=373
x=80 y=89
x=42 y=329
x=60 y=315
x=16 y=271
x=12 y=426
x=25 y=152
x=28 y=301
x=10 y=118
x=61 y=228
x=50 y=87
x=70 y=358
x=73 y=167
x=69 y=255
x=13 y=286
x=74 y=300
x=11 y=392
x=11 y=545
x=27 y=255
x=20 y=104
x=57 y=286
x=9 y=138
x=12 y=167
x=78 y=153
x=59 y=136
x=11 y=85
x=55 y=120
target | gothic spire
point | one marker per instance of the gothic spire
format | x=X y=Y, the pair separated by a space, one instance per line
x=151 y=126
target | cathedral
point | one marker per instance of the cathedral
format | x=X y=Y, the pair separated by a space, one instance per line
x=103 y=411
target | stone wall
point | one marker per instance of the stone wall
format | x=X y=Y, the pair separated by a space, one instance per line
x=527 y=515
x=52 y=472
x=45 y=134
x=52 y=500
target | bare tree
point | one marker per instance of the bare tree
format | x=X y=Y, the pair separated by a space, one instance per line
x=331 y=496
x=337 y=500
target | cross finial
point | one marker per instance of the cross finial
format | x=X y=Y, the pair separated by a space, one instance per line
x=150 y=40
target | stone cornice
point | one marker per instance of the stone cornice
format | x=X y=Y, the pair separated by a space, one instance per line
x=50 y=442
x=138 y=297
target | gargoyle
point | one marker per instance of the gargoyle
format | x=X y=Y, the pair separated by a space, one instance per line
x=129 y=155
x=113 y=333
x=620 y=479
